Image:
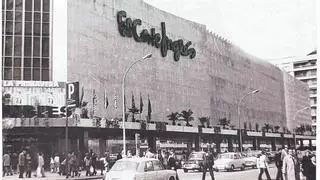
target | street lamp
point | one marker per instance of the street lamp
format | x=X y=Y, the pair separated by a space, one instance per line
x=123 y=97
x=239 y=103
x=294 y=120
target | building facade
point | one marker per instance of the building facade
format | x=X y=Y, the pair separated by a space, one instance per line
x=305 y=70
x=190 y=68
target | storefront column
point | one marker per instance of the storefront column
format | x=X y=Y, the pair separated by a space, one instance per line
x=258 y=144
x=289 y=143
x=218 y=145
x=197 y=142
x=301 y=143
x=310 y=144
x=254 y=143
x=102 y=146
x=152 y=143
x=230 y=144
x=85 y=141
x=282 y=142
x=273 y=144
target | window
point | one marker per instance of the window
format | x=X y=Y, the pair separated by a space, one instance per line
x=7 y=62
x=9 y=4
x=17 y=74
x=17 y=62
x=45 y=17
x=36 y=29
x=18 y=16
x=17 y=45
x=28 y=16
x=148 y=166
x=18 y=4
x=36 y=47
x=28 y=28
x=45 y=29
x=27 y=74
x=37 y=17
x=46 y=6
x=45 y=47
x=45 y=75
x=27 y=46
x=45 y=63
x=9 y=15
x=9 y=27
x=36 y=74
x=8 y=46
x=27 y=62
x=7 y=74
x=28 y=4
x=36 y=63
x=37 y=5
x=18 y=28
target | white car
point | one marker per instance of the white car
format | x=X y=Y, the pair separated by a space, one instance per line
x=229 y=162
x=139 y=169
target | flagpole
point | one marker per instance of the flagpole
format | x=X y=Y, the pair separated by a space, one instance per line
x=66 y=136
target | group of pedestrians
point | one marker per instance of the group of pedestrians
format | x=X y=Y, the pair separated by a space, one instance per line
x=22 y=165
x=289 y=166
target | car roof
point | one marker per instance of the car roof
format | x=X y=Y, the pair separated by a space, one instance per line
x=135 y=159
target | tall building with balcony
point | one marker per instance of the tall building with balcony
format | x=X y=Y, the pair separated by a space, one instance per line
x=304 y=69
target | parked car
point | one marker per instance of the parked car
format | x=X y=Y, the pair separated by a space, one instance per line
x=229 y=162
x=194 y=162
x=139 y=169
x=250 y=159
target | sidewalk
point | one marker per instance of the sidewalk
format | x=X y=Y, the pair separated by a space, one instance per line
x=53 y=176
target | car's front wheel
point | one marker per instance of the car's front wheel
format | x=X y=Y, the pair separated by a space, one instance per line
x=232 y=168
x=185 y=170
x=171 y=178
x=243 y=167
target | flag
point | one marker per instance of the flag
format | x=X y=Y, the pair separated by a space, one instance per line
x=81 y=97
x=106 y=102
x=149 y=109
x=115 y=102
x=141 y=104
x=133 y=106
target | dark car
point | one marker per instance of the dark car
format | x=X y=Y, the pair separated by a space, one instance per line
x=194 y=162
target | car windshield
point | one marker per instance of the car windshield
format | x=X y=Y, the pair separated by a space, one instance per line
x=125 y=165
x=196 y=156
x=226 y=156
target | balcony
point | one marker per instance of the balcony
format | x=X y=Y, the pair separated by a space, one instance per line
x=306 y=77
x=312 y=95
x=303 y=68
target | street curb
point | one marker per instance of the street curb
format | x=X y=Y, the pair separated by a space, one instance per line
x=84 y=178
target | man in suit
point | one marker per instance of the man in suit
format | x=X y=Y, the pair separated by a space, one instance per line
x=22 y=162
x=207 y=164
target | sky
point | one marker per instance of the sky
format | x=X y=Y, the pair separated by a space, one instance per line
x=268 y=29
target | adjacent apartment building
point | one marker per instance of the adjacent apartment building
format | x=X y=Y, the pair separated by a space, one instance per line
x=304 y=69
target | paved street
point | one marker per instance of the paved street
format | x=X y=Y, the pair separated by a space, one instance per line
x=248 y=174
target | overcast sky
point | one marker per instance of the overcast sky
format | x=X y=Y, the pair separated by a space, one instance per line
x=268 y=29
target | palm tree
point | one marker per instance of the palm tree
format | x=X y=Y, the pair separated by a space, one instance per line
x=134 y=111
x=250 y=126
x=204 y=120
x=187 y=116
x=224 y=122
x=245 y=125
x=276 y=128
x=174 y=116
x=267 y=127
x=257 y=127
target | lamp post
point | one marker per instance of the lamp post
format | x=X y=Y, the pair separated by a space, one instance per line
x=123 y=97
x=294 y=120
x=239 y=104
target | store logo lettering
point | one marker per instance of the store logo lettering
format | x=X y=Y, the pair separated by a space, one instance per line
x=128 y=28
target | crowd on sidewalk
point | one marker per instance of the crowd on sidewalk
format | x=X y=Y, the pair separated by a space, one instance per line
x=289 y=166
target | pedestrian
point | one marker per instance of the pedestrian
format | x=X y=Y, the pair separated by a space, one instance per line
x=28 y=165
x=160 y=157
x=52 y=163
x=284 y=153
x=172 y=161
x=22 y=162
x=262 y=164
x=56 y=163
x=149 y=154
x=278 y=162
x=40 y=169
x=289 y=168
x=14 y=162
x=129 y=154
x=306 y=164
x=6 y=165
x=119 y=156
x=71 y=165
x=312 y=170
x=87 y=163
x=94 y=163
x=207 y=164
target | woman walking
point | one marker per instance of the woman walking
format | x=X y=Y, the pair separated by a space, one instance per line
x=262 y=164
